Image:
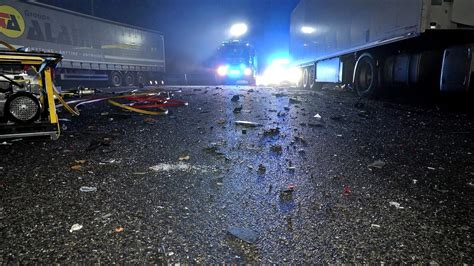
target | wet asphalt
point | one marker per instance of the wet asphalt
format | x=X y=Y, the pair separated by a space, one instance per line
x=322 y=178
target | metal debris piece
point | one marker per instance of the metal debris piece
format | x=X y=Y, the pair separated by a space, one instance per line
x=316 y=124
x=76 y=167
x=271 y=132
x=247 y=124
x=88 y=189
x=235 y=98
x=396 y=205
x=75 y=227
x=237 y=110
x=244 y=234
x=287 y=194
x=261 y=169
x=379 y=164
x=276 y=148
x=150 y=120
x=294 y=101
x=184 y=158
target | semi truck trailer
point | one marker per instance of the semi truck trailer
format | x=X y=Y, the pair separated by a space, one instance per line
x=377 y=45
x=93 y=49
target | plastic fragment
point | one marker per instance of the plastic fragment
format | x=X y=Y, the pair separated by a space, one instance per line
x=75 y=227
x=247 y=124
x=88 y=189
x=184 y=158
x=377 y=164
x=119 y=229
x=244 y=234
x=396 y=205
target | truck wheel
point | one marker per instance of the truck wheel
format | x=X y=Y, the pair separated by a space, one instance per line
x=116 y=79
x=305 y=78
x=366 y=76
x=129 y=79
x=141 y=79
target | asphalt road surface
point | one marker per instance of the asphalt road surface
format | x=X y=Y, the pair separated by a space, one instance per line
x=323 y=178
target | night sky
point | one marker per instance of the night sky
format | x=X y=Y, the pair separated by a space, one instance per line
x=194 y=29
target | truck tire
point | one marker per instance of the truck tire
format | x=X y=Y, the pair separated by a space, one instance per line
x=129 y=79
x=141 y=79
x=366 y=76
x=116 y=79
x=305 y=78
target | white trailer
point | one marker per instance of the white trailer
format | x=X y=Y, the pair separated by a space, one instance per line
x=375 y=44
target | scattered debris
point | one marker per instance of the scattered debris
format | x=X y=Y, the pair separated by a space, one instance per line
x=346 y=191
x=294 y=101
x=75 y=227
x=119 y=229
x=80 y=161
x=88 y=189
x=271 y=132
x=221 y=121
x=276 y=148
x=431 y=168
x=440 y=190
x=214 y=150
x=287 y=194
x=237 y=110
x=104 y=113
x=396 y=205
x=414 y=181
x=247 y=124
x=261 y=169
x=166 y=167
x=278 y=95
x=76 y=167
x=244 y=234
x=379 y=164
x=317 y=124
x=184 y=158
x=375 y=226
x=150 y=120
x=235 y=98
x=317 y=116
x=108 y=215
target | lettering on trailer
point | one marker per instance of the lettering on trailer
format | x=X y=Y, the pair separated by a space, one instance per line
x=12 y=23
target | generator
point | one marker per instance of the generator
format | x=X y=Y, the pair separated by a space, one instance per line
x=27 y=93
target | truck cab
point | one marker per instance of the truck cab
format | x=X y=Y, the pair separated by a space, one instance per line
x=236 y=63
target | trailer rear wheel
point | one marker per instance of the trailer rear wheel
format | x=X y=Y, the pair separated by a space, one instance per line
x=141 y=79
x=366 y=76
x=129 y=79
x=116 y=79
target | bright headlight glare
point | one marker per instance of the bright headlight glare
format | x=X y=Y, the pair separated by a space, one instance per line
x=248 y=71
x=222 y=70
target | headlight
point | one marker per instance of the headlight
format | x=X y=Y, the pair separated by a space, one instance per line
x=22 y=108
x=248 y=71
x=222 y=70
